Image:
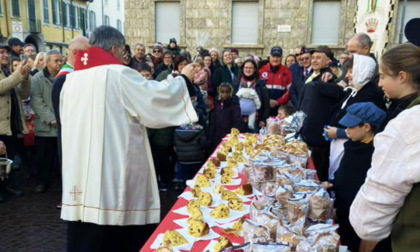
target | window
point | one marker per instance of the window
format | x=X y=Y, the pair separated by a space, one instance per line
x=55 y=4
x=107 y=20
x=167 y=21
x=1 y=7
x=412 y=11
x=15 y=8
x=119 y=26
x=65 y=12
x=118 y=5
x=92 y=20
x=45 y=12
x=73 y=16
x=244 y=23
x=325 y=22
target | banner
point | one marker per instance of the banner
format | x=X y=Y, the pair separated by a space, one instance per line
x=374 y=18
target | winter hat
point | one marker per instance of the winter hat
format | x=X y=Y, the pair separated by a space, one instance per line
x=172 y=40
x=157 y=46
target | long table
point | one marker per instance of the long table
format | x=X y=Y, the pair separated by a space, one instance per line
x=168 y=221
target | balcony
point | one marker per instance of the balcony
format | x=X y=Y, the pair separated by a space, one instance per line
x=34 y=26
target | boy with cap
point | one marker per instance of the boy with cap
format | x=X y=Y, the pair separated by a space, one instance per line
x=277 y=78
x=361 y=121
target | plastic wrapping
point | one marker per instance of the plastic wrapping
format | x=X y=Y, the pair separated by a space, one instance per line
x=270 y=189
x=297 y=209
x=255 y=233
x=283 y=193
x=285 y=234
x=296 y=122
x=274 y=126
x=320 y=206
x=269 y=220
x=271 y=247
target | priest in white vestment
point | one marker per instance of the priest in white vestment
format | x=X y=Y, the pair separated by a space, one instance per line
x=108 y=173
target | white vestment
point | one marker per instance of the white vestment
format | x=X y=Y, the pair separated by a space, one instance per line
x=108 y=172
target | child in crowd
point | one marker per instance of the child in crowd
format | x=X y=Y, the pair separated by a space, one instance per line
x=361 y=121
x=285 y=111
x=248 y=98
x=145 y=70
x=226 y=114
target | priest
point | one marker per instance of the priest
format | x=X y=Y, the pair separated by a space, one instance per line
x=110 y=192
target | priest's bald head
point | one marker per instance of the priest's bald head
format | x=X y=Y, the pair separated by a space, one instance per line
x=109 y=39
x=78 y=43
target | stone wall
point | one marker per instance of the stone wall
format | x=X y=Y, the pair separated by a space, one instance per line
x=213 y=18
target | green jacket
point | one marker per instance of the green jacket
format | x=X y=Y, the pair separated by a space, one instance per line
x=405 y=234
x=41 y=102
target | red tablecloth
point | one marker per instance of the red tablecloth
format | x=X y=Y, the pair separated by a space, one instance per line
x=167 y=222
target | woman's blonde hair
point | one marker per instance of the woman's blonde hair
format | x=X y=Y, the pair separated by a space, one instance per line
x=40 y=55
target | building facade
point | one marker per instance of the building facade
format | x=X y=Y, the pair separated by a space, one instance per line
x=48 y=24
x=106 y=12
x=252 y=26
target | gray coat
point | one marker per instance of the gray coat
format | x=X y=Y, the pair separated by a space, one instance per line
x=41 y=102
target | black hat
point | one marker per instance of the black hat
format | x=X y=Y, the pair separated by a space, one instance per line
x=324 y=49
x=3 y=46
x=172 y=40
x=411 y=31
x=15 y=41
x=333 y=63
x=276 y=51
x=127 y=49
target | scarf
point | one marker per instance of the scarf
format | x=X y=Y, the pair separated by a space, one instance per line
x=65 y=69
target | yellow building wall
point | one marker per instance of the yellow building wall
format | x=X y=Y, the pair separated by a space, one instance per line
x=51 y=33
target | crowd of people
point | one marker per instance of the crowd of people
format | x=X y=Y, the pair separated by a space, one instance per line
x=347 y=102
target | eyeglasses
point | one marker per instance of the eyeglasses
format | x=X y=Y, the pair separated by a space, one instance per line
x=157 y=51
x=167 y=57
x=298 y=54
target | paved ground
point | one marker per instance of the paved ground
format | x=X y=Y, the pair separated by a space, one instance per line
x=32 y=223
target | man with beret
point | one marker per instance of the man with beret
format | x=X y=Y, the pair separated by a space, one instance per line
x=277 y=78
x=316 y=99
x=16 y=47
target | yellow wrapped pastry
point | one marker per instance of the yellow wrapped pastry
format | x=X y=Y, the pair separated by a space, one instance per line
x=215 y=161
x=198 y=228
x=220 y=212
x=234 y=131
x=196 y=191
x=202 y=181
x=192 y=204
x=174 y=238
x=227 y=171
x=205 y=199
x=210 y=165
x=165 y=247
x=226 y=195
x=218 y=189
x=210 y=173
x=238 y=147
x=232 y=163
x=244 y=190
x=196 y=214
x=226 y=180
x=222 y=243
x=222 y=154
x=236 y=204
x=238 y=224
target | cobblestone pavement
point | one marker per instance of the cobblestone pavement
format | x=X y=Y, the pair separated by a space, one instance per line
x=32 y=223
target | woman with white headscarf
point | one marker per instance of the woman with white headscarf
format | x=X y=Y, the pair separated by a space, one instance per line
x=361 y=70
